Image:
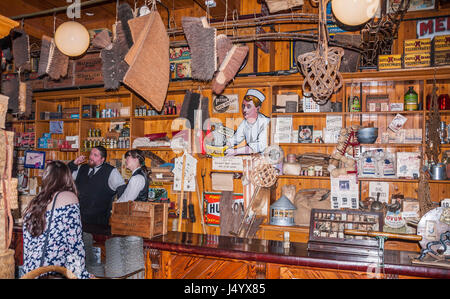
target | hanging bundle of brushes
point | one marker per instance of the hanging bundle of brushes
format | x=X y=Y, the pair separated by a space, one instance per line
x=321 y=67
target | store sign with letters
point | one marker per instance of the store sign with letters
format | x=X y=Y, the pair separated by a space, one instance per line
x=433 y=27
x=211 y=201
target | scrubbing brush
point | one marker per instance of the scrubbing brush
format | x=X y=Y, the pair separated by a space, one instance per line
x=229 y=68
x=21 y=49
x=202 y=43
x=45 y=55
x=58 y=63
x=102 y=40
x=223 y=45
x=125 y=13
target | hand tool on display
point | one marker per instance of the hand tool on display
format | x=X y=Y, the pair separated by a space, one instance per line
x=200 y=203
x=263 y=176
x=180 y=216
x=381 y=238
x=434 y=227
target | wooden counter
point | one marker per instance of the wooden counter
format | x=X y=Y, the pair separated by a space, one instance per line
x=197 y=256
x=189 y=256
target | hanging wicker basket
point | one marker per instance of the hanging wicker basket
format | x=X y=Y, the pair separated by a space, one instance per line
x=7 y=266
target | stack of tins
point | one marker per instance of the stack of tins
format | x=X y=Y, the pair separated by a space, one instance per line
x=8 y=197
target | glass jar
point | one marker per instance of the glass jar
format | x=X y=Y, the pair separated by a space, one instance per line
x=444 y=102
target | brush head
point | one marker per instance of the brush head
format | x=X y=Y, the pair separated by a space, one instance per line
x=114 y=67
x=21 y=49
x=223 y=45
x=102 y=40
x=124 y=14
x=229 y=68
x=58 y=63
x=202 y=44
x=44 y=56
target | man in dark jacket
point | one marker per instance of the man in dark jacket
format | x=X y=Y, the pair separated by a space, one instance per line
x=97 y=183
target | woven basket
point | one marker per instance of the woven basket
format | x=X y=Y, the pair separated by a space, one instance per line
x=7 y=266
x=47 y=269
x=6 y=153
x=12 y=194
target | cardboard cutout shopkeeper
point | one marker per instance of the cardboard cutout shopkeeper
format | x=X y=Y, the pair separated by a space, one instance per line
x=253 y=129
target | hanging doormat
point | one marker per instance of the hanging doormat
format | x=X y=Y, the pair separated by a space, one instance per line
x=149 y=71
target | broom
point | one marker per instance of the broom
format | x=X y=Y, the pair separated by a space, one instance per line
x=202 y=43
x=229 y=68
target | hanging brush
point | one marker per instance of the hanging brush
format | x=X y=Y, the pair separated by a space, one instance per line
x=229 y=68
x=102 y=40
x=21 y=49
x=223 y=44
x=202 y=44
x=58 y=63
x=44 y=56
x=124 y=14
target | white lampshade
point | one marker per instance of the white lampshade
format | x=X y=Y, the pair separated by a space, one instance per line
x=72 y=38
x=354 y=12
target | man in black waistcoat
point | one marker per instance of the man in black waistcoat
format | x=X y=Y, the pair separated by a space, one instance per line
x=97 y=183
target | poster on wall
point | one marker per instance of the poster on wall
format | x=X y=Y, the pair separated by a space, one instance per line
x=414 y=5
x=211 y=201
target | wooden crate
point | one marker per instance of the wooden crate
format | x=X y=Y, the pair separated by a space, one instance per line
x=144 y=219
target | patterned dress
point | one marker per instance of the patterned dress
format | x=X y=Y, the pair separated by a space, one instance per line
x=65 y=244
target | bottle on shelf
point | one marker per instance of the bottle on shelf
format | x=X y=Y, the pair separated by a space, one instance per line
x=411 y=100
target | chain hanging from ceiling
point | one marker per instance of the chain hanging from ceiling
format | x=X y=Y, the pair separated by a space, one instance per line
x=378 y=34
x=433 y=140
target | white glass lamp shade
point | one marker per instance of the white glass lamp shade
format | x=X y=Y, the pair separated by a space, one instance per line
x=72 y=38
x=354 y=12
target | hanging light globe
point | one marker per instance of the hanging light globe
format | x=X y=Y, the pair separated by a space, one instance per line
x=72 y=38
x=354 y=12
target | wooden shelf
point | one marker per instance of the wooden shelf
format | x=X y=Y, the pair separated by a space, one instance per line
x=107 y=119
x=304 y=177
x=59 y=119
x=391 y=144
x=156 y=117
x=160 y=148
x=306 y=144
x=388 y=180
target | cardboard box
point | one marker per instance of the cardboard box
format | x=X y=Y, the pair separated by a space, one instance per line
x=88 y=78
x=390 y=62
x=377 y=102
x=441 y=58
x=417 y=60
x=441 y=43
x=413 y=46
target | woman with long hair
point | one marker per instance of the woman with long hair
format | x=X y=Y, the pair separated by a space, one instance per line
x=137 y=187
x=52 y=232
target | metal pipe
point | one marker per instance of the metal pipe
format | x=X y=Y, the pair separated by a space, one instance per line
x=55 y=10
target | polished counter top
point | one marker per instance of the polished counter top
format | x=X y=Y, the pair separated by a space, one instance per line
x=269 y=251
